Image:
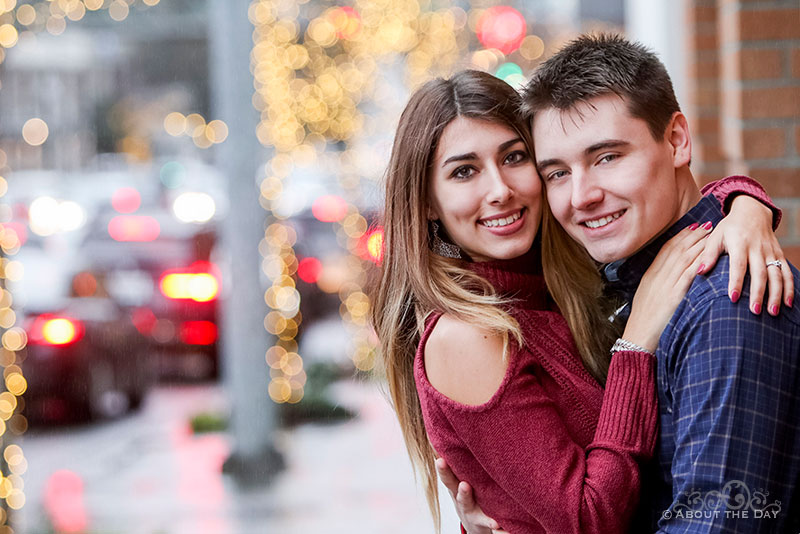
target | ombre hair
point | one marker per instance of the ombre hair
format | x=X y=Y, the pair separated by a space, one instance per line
x=414 y=282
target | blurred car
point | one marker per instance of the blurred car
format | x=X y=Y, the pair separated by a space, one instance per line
x=84 y=358
x=162 y=269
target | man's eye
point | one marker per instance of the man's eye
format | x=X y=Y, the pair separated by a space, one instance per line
x=608 y=158
x=555 y=175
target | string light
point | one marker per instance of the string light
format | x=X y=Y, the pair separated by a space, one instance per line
x=37 y=16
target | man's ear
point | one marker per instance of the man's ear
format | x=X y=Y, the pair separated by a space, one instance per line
x=680 y=139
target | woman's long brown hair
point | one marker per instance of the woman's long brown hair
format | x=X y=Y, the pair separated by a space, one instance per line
x=413 y=281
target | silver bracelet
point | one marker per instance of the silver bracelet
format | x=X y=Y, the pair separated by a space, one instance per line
x=623 y=344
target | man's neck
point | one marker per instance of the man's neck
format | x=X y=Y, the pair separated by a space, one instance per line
x=688 y=193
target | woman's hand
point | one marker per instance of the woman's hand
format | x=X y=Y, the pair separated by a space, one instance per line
x=472 y=517
x=746 y=233
x=664 y=285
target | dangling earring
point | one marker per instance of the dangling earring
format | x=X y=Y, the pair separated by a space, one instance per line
x=442 y=247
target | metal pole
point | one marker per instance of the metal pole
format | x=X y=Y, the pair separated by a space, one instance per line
x=253 y=458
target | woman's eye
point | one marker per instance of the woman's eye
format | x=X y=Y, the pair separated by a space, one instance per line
x=516 y=157
x=463 y=172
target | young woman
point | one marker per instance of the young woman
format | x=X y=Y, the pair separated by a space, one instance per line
x=516 y=407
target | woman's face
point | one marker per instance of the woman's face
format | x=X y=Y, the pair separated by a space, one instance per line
x=485 y=190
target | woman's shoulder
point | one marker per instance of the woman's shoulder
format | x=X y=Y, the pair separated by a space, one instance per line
x=463 y=361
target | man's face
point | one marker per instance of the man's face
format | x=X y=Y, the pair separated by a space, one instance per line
x=609 y=183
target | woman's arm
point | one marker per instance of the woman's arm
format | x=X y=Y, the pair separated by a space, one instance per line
x=529 y=454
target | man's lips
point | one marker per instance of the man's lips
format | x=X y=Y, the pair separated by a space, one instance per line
x=600 y=222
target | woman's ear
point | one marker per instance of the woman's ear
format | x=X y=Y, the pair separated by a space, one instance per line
x=680 y=139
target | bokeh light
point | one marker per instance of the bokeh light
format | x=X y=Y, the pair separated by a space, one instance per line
x=501 y=27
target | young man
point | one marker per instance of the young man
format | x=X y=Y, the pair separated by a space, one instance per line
x=613 y=150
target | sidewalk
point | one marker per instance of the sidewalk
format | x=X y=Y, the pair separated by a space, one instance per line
x=148 y=474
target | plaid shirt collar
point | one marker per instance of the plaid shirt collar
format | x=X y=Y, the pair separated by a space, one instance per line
x=623 y=276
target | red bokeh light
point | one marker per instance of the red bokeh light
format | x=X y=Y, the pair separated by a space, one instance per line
x=501 y=27
x=346 y=20
x=309 y=270
x=133 y=228
x=17 y=228
x=144 y=320
x=329 y=208
x=126 y=200
x=198 y=332
x=370 y=246
x=49 y=329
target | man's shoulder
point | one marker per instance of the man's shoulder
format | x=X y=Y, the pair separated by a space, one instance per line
x=709 y=293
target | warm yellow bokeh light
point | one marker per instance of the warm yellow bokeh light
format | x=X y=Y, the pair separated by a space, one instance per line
x=175 y=123
x=532 y=47
x=216 y=131
x=93 y=5
x=26 y=14
x=16 y=383
x=35 y=131
x=119 y=10
x=8 y=35
x=56 y=25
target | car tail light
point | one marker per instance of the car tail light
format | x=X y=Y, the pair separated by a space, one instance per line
x=200 y=283
x=198 y=332
x=55 y=330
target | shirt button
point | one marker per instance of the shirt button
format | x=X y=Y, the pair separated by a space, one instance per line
x=669 y=410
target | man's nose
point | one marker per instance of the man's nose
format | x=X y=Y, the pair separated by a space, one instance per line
x=585 y=191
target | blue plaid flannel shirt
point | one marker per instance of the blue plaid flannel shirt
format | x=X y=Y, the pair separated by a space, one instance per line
x=728 y=456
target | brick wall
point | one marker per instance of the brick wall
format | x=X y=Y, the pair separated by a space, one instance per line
x=744 y=103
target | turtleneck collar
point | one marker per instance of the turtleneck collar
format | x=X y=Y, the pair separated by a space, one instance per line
x=520 y=278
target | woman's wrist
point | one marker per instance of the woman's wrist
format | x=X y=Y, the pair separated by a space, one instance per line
x=622 y=344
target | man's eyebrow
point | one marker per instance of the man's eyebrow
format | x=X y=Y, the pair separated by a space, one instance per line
x=602 y=145
x=471 y=155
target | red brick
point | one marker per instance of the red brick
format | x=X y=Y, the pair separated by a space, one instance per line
x=778 y=182
x=797 y=140
x=796 y=63
x=705 y=13
x=759 y=64
x=711 y=150
x=770 y=24
x=703 y=40
x=774 y=102
x=792 y=254
x=762 y=143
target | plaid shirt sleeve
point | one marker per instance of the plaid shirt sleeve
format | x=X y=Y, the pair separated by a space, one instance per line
x=730 y=414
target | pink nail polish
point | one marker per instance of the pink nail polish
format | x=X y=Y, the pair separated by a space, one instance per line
x=773 y=310
x=702 y=268
x=757 y=308
x=707 y=225
x=789 y=301
x=735 y=295
x=693 y=226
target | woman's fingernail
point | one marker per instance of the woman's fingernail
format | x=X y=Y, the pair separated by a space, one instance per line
x=694 y=226
x=702 y=268
x=735 y=295
x=773 y=310
x=707 y=225
x=789 y=301
x=757 y=308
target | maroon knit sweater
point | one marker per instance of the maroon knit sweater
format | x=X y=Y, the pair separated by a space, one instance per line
x=551 y=451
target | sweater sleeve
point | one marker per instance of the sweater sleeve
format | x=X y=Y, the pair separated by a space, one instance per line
x=727 y=189
x=530 y=469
